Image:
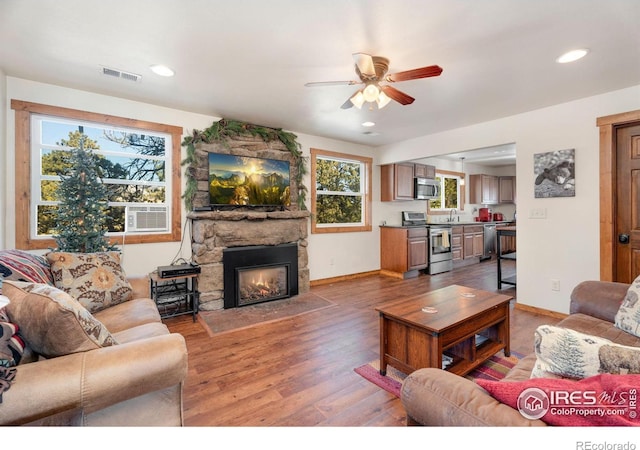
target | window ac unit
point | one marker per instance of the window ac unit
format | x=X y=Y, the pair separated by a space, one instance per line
x=147 y=218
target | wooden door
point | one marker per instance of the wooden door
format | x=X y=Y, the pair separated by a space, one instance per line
x=608 y=126
x=627 y=236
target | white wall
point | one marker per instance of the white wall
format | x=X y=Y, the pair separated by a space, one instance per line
x=565 y=245
x=330 y=255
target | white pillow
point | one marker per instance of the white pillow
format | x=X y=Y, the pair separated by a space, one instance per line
x=565 y=353
x=628 y=315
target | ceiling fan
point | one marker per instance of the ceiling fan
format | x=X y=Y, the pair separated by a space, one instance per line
x=372 y=70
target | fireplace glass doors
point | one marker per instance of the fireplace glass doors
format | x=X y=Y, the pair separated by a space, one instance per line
x=262 y=284
x=260 y=273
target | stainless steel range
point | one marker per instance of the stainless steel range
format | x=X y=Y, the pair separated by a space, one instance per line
x=440 y=256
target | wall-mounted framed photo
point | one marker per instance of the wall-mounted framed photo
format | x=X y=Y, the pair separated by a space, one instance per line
x=554 y=174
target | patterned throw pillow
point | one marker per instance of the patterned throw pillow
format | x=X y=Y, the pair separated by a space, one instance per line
x=628 y=315
x=51 y=322
x=19 y=265
x=565 y=353
x=96 y=280
x=11 y=344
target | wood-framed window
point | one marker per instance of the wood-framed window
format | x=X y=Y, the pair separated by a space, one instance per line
x=452 y=193
x=144 y=184
x=340 y=192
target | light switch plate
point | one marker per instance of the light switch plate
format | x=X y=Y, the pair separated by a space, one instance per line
x=538 y=213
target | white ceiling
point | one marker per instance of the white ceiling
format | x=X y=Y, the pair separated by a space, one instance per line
x=249 y=59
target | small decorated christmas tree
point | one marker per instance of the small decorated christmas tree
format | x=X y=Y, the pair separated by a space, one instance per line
x=81 y=220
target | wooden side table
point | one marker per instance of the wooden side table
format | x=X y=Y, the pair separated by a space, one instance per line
x=175 y=296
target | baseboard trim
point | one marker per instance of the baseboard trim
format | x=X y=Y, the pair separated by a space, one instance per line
x=352 y=276
x=541 y=311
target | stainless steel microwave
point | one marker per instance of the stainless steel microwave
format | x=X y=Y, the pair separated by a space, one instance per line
x=426 y=189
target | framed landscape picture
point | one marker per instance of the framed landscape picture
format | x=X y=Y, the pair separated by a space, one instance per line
x=554 y=174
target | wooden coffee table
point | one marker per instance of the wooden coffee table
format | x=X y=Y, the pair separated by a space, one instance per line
x=468 y=327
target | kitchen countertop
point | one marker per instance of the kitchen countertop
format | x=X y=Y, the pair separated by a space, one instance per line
x=453 y=224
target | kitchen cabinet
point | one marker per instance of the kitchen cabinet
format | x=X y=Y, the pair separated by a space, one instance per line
x=404 y=251
x=397 y=180
x=484 y=189
x=472 y=241
x=424 y=171
x=456 y=243
x=507 y=189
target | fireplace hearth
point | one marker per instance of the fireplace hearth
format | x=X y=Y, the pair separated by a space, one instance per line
x=261 y=273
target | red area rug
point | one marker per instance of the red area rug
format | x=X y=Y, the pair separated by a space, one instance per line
x=495 y=368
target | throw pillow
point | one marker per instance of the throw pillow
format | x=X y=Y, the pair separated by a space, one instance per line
x=96 y=280
x=11 y=344
x=628 y=315
x=52 y=322
x=601 y=400
x=566 y=353
x=19 y=265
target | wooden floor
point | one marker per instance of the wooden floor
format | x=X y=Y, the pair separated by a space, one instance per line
x=299 y=371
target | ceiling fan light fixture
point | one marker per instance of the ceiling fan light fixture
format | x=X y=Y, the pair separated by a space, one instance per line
x=371 y=93
x=382 y=100
x=357 y=100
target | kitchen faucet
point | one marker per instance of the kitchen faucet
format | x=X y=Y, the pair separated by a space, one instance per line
x=451 y=212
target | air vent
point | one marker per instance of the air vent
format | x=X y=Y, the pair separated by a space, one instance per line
x=121 y=74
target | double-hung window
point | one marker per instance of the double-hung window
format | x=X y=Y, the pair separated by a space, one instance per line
x=137 y=162
x=451 y=192
x=341 y=192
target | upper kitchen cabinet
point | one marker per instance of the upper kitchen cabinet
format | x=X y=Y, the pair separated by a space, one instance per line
x=507 y=188
x=397 y=180
x=484 y=189
x=424 y=171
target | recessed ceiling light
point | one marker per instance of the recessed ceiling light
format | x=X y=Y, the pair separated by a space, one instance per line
x=573 y=55
x=368 y=124
x=161 y=70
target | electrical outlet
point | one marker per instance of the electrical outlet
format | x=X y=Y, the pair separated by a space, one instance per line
x=538 y=213
x=555 y=284
x=331 y=262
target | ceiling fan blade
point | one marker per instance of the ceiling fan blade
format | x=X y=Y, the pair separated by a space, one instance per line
x=365 y=65
x=332 y=83
x=347 y=104
x=414 y=74
x=397 y=95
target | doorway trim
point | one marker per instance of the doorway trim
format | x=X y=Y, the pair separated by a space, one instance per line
x=608 y=125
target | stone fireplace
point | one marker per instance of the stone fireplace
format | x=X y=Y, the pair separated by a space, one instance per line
x=217 y=232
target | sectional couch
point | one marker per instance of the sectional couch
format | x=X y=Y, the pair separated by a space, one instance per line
x=116 y=366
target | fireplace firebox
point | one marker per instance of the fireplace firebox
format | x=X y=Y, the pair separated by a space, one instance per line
x=260 y=273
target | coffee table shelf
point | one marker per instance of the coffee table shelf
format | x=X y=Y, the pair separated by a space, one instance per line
x=469 y=326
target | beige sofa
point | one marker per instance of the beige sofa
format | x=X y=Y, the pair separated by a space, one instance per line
x=135 y=383
x=438 y=398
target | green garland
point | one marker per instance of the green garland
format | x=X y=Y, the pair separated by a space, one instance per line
x=224 y=128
